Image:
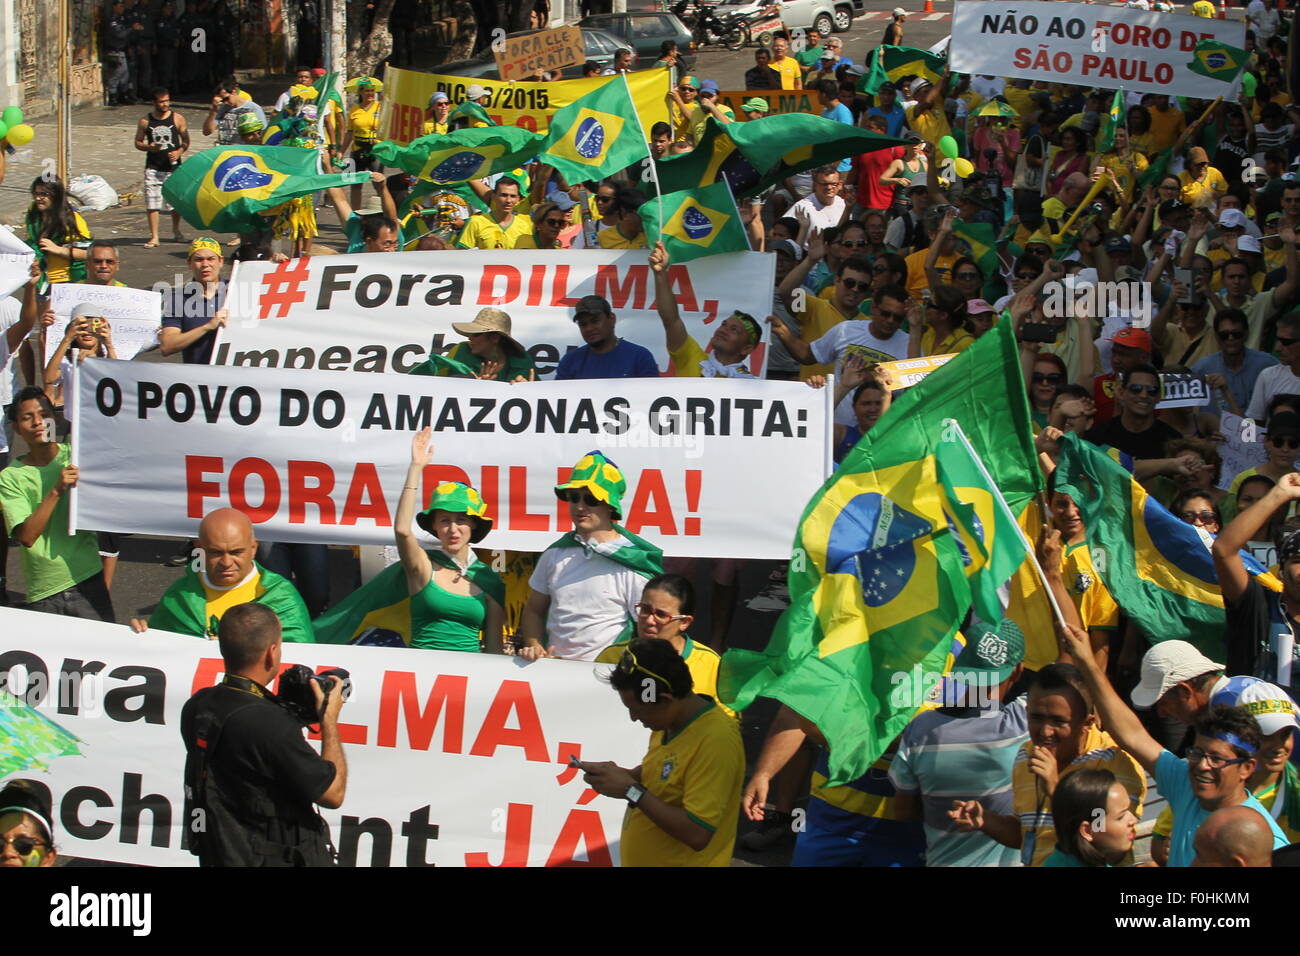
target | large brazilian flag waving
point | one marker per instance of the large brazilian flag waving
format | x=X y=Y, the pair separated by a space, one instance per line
x=462 y=155
x=878 y=578
x=597 y=134
x=225 y=188
x=695 y=223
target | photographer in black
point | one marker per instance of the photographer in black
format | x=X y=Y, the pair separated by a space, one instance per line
x=251 y=778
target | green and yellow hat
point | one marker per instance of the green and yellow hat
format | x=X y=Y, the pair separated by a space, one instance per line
x=458 y=497
x=600 y=476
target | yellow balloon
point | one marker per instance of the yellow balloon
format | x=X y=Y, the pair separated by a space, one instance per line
x=964 y=167
x=20 y=135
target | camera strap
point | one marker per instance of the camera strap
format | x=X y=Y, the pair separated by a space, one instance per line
x=235 y=682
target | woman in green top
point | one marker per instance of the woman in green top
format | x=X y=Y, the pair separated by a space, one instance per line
x=450 y=601
x=490 y=354
x=1093 y=817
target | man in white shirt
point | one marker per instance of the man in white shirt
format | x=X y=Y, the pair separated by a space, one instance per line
x=1263 y=19
x=821 y=210
x=587 y=584
x=301 y=77
x=1282 y=378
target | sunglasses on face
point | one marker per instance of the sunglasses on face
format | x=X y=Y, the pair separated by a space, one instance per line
x=967 y=276
x=660 y=617
x=23 y=845
x=1286 y=342
x=854 y=244
x=1047 y=378
x=556 y=223
x=581 y=497
x=1152 y=390
x=856 y=285
x=1026 y=276
x=880 y=269
x=1198 y=517
x=1289 y=444
x=1232 y=334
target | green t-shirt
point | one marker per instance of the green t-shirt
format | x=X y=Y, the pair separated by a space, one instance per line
x=57 y=561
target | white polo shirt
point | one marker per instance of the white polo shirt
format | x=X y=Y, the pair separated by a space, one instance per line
x=592 y=598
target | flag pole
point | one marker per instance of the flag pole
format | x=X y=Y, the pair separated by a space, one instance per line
x=652 y=169
x=1001 y=503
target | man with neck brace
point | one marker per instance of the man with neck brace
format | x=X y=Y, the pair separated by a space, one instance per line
x=587 y=584
x=735 y=338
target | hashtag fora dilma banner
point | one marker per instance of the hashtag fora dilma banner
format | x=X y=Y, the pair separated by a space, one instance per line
x=384 y=312
x=1095 y=45
x=529 y=106
x=454 y=759
x=322 y=456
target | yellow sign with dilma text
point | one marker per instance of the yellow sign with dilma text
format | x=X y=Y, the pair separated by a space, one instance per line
x=529 y=106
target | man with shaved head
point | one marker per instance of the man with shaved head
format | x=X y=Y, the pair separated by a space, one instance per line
x=1234 y=836
x=224 y=575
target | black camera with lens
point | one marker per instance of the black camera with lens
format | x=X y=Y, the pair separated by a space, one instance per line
x=295 y=693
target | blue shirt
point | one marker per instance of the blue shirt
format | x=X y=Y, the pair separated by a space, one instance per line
x=1173 y=781
x=1241 y=383
x=893 y=118
x=841 y=114
x=626 y=360
x=1063 y=859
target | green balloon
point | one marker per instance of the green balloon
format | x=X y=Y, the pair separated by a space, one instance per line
x=1248 y=83
x=4 y=129
x=12 y=116
x=948 y=146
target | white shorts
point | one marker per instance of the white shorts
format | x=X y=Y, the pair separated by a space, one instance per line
x=153 y=197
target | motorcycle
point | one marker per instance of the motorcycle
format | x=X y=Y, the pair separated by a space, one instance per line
x=709 y=29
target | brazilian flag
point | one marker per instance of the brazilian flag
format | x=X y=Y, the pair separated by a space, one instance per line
x=28 y=739
x=892 y=63
x=780 y=146
x=981 y=239
x=462 y=155
x=716 y=157
x=1112 y=121
x=1157 y=567
x=695 y=223
x=224 y=188
x=596 y=135
x=473 y=113
x=878 y=578
x=1157 y=166
x=1217 y=60
x=382 y=606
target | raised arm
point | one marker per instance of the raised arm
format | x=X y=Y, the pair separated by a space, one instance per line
x=674 y=328
x=1233 y=578
x=416 y=564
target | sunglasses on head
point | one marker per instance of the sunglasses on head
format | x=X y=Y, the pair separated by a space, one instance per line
x=628 y=664
x=855 y=285
x=1047 y=378
x=574 y=497
x=1135 y=389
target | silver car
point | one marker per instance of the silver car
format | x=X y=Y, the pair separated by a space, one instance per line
x=828 y=16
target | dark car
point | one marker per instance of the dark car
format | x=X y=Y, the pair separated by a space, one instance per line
x=599 y=46
x=645 y=32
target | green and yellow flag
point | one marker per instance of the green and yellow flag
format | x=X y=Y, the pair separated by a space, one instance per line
x=695 y=223
x=715 y=157
x=462 y=155
x=597 y=134
x=981 y=238
x=469 y=110
x=1112 y=121
x=780 y=146
x=1217 y=60
x=892 y=63
x=28 y=739
x=224 y=188
x=878 y=578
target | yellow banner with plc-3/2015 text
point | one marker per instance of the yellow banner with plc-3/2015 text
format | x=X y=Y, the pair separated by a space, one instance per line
x=529 y=106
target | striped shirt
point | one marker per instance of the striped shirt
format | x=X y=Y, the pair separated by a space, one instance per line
x=961 y=754
x=1033 y=808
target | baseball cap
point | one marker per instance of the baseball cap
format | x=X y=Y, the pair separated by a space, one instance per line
x=917 y=85
x=1167 y=664
x=1270 y=705
x=899 y=12
x=910 y=135
x=976 y=306
x=563 y=202
x=1248 y=243
x=88 y=310
x=1232 y=219
x=709 y=86
x=788 y=246
x=1172 y=206
x=991 y=654
x=1134 y=339
x=888 y=87
x=1118 y=244
x=439 y=97
x=922 y=181
x=475 y=91
x=592 y=305
x=755 y=104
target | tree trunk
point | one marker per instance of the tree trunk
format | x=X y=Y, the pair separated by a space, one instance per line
x=367 y=50
x=462 y=47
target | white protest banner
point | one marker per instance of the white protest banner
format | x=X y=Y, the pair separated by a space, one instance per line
x=134 y=315
x=1242 y=449
x=15 y=261
x=715 y=468
x=454 y=759
x=382 y=312
x=1089 y=44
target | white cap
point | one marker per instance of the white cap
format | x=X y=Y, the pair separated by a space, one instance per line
x=1232 y=219
x=1248 y=243
x=476 y=91
x=86 y=310
x=899 y=12
x=1270 y=705
x=1167 y=664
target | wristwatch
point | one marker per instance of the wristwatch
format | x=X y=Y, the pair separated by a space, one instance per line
x=634 y=794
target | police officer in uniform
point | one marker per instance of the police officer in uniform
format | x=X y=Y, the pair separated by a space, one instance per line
x=251 y=779
x=117 y=37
